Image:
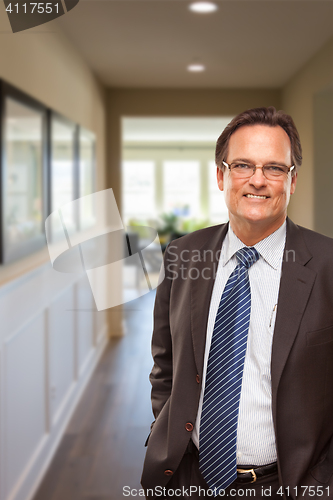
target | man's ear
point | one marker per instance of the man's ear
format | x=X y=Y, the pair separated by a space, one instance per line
x=219 y=175
x=293 y=184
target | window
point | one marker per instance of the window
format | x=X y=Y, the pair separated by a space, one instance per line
x=172 y=172
x=86 y=178
x=181 y=186
x=139 y=189
x=62 y=169
x=23 y=167
x=218 y=211
x=46 y=161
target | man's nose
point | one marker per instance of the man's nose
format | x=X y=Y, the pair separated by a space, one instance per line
x=258 y=179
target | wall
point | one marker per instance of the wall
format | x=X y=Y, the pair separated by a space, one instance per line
x=51 y=338
x=50 y=341
x=298 y=100
x=323 y=161
x=43 y=63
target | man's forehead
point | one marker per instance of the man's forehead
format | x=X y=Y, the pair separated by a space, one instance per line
x=260 y=137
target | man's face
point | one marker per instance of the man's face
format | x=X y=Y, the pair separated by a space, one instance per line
x=260 y=145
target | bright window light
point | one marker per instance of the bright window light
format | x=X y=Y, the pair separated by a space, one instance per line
x=139 y=189
x=196 y=68
x=181 y=185
x=203 y=7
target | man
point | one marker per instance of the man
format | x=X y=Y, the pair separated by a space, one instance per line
x=243 y=336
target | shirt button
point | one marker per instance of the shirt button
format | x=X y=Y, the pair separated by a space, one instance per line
x=197 y=378
x=189 y=427
x=168 y=472
x=239 y=454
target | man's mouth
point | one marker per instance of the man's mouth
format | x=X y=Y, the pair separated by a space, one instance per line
x=260 y=197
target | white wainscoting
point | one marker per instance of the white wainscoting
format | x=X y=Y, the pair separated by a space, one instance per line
x=51 y=337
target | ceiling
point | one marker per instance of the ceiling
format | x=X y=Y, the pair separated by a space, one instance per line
x=246 y=43
x=170 y=129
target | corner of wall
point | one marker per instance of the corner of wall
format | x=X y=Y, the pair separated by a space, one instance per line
x=298 y=100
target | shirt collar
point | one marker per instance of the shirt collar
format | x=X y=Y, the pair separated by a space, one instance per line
x=270 y=248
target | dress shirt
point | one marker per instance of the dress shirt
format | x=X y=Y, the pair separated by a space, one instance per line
x=255 y=432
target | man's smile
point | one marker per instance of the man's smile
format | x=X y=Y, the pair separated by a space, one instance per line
x=257 y=196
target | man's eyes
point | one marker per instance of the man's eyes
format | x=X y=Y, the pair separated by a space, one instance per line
x=243 y=166
x=268 y=168
x=274 y=168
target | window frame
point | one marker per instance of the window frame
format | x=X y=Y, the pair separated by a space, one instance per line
x=37 y=242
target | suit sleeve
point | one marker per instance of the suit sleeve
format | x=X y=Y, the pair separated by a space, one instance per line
x=161 y=374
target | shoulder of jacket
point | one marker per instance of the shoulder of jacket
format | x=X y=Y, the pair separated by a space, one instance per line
x=312 y=238
x=194 y=240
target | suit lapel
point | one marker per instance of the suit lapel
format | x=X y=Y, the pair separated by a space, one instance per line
x=295 y=288
x=201 y=292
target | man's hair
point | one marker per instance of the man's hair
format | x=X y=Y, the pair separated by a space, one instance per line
x=260 y=116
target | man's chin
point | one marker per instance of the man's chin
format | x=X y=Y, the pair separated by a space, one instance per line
x=256 y=217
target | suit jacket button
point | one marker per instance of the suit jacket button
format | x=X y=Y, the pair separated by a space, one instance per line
x=197 y=378
x=168 y=472
x=189 y=427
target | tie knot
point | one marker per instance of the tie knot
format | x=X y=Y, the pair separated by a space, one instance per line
x=247 y=256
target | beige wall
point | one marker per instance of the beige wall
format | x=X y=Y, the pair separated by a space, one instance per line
x=144 y=102
x=297 y=100
x=44 y=64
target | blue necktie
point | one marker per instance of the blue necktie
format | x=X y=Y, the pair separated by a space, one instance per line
x=218 y=424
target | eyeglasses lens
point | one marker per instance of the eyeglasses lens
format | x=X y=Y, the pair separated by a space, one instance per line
x=271 y=172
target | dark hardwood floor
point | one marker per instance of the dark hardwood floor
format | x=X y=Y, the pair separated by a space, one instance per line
x=103 y=447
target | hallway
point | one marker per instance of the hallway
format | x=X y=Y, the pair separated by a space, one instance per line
x=103 y=447
x=91 y=101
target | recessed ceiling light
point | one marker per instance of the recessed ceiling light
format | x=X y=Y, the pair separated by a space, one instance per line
x=196 y=68
x=203 y=7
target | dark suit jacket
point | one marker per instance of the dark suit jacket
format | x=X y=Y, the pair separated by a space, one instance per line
x=302 y=355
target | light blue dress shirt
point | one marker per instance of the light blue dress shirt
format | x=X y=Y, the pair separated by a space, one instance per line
x=255 y=433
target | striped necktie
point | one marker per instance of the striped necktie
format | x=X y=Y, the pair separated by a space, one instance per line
x=218 y=424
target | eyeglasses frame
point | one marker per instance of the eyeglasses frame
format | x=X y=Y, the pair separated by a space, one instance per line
x=255 y=168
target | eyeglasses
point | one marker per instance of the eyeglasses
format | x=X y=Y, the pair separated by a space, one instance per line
x=246 y=170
